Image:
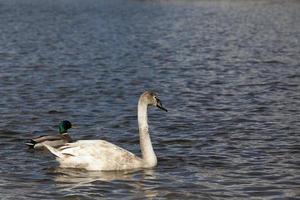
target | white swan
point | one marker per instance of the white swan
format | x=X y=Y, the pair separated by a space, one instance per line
x=104 y=156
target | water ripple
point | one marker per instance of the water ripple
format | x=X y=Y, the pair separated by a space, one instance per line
x=232 y=91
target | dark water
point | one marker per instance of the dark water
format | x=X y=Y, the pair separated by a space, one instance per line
x=228 y=71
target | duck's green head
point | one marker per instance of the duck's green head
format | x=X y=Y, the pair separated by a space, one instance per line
x=64 y=126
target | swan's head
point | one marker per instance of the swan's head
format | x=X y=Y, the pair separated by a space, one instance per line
x=153 y=100
x=64 y=126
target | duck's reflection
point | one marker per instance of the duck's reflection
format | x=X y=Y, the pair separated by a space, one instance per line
x=137 y=181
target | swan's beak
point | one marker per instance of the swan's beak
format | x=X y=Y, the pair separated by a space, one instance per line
x=159 y=105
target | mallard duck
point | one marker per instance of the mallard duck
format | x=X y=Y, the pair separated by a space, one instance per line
x=52 y=140
x=100 y=155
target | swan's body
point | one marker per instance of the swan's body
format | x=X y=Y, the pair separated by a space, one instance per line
x=95 y=155
x=105 y=156
x=52 y=140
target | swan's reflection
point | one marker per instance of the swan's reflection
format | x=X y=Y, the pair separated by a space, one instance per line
x=71 y=180
x=83 y=176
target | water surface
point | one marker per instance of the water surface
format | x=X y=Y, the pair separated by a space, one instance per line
x=228 y=72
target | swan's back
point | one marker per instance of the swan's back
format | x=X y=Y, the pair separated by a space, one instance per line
x=97 y=155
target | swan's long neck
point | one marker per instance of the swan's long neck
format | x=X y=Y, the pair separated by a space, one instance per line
x=148 y=155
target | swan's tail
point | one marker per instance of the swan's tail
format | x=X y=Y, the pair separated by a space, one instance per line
x=54 y=151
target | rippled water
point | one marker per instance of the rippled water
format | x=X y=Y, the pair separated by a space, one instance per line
x=228 y=72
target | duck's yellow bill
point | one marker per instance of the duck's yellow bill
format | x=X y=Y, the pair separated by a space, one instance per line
x=74 y=126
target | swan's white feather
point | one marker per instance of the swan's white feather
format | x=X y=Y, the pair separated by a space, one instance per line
x=96 y=155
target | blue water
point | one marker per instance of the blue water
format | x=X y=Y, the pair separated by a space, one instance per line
x=227 y=71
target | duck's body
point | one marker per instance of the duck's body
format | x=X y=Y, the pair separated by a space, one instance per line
x=52 y=140
x=101 y=155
